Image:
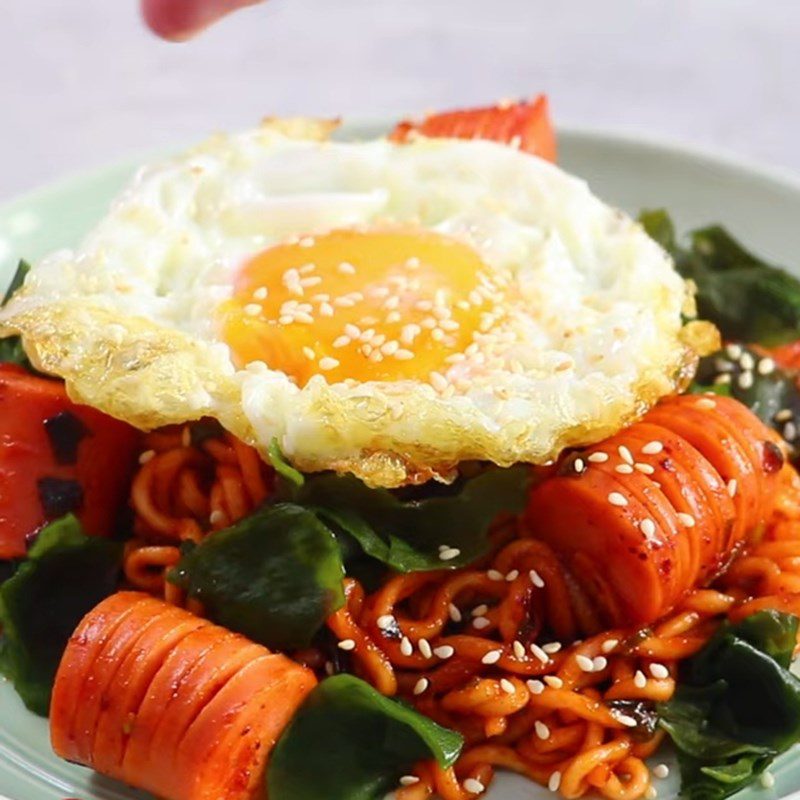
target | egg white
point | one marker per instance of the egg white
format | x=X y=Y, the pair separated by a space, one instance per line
x=592 y=338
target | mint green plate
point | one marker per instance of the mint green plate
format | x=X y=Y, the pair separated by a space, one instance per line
x=761 y=207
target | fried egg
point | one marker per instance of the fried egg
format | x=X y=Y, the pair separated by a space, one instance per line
x=388 y=310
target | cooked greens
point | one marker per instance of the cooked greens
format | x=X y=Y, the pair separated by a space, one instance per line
x=745 y=297
x=348 y=742
x=64 y=575
x=275 y=576
x=11 y=347
x=736 y=707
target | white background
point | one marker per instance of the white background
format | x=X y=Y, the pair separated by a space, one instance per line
x=83 y=83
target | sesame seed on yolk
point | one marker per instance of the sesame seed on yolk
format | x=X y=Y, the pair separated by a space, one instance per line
x=377 y=305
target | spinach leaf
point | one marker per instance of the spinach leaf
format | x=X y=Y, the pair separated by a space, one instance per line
x=348 y=742
x=744 y=296
x=736 y=705
x=405 y=529
x=275 y=576
x=63 y=577
x=11 y=347
x=279 y=463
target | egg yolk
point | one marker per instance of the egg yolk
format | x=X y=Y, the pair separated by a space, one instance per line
x=367 y=306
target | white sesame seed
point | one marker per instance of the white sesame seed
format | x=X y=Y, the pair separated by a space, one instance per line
x=535 y=686
x=421 y=685
x=608 y=645
x=639 y=679
x=480 y=611
x=746 y=361
x=790 y=431
x=494 y=575
x=706 y=403
x=578 y=465
x=686 y=519
x=650 y=793
x=745 y=380
x=425 y=648
x=261 y=293
x=346 y=268
x=734 y=351
x=512 y=576
x=784 y=415
x=449 y=554
x=536 y=579
x=328 y=363
x=342 y=341
x=648 y=528
x=661 y=771
x=624 y=719
x=216 y=517
x=767 y=780
x=413 y=263
x=653 y=448
x=585 y=664
x=598 y=458
x=507 y=686
x=326 y=309
x=406 y=648
x=455 y=612
x=542 y=731
x=393 y=316
x=252 y=309
x=723 y=379
x=444 y=651
x=479 y=623
x=519 y=650
x=403 y=355
x=539 y=654
x=347 y=644
x=645 y=469
x=390 y=347
x=313 y=280
x=492 y=657
x=617 y=499
x=146 y=456
x=385 y=621
x=659 y=671
x=625 y=454
x=438 y=381
x=309 y=353
x=599 y=663
x=624 y=469
x=554 y=781
x=409 y=780
x=473 y=786
x=732 y=487
x=305 y=318
x=551 y=647
x=554 y=681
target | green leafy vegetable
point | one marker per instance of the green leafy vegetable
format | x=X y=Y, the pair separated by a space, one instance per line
x=275 y=576
x=745 y=297
x=11 y=347
x=283 y=467
x=65 y=575
x=348 y=742
x=405 y=530
x=736 y=707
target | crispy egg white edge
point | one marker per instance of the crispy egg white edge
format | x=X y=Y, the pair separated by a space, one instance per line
x=113 y=319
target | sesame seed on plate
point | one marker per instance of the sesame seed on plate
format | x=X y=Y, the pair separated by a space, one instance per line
x=554 y=781
x=539 y=654
x=734 y=351
x=608 y=645
x=480 y=611
x=252 y=309
x=578 y=465
x=648 y=528
x=449 y=554
x=146 y=456
x=551 y=647
x=512 y=576
x=421 y=685
x=406 y=648
x=542 y=731
x=645 y=469
x=653 y=448
x=599 y=663
x=585 y=664
x=617 y=499
x=326 y=309
x=624 y=719
x=347 y=644
x=598 y=458
x=425 y=648
x=535 y=686
x=686 y=519
x=765 y=366
x=706 y=403
x=385 y=621
x=732 y=487
x=444 y=651
x=346 y=268
x=403 y=355
x=554 y=681
x=790 y=431
x=473 y=786
x=639 y=679
x=536 y=579
x=519 y=649
x=342 y=341
x=625 y=454
x=624 y=469
x=747 y=361
x=659 y=671
x=309 y=353
x=327 y=363
x=745 y=380
x=261 y=293
x=495 y=575
x=216 y=517
x=479 y=623
x=784 y=415
x=507 y=686
x=409 y=780
x=455 y=612
x=661 y=771
x=492 y=657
